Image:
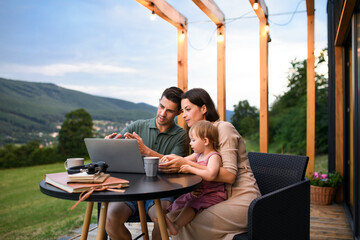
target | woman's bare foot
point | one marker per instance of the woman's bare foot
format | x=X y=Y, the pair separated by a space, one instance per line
x=173 y=228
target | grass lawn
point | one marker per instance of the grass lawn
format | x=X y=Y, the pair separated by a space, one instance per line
x=26 y=213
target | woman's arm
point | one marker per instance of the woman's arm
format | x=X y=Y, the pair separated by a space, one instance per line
x=229 y=139
x=225 y=176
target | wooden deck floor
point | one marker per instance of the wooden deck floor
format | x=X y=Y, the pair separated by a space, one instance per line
x=326 y=222
x=329 y=222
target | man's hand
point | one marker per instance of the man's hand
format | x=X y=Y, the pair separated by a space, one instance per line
x=113 y=136
x=142 y=147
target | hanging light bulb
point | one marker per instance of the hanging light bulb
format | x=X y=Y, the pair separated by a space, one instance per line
x=267 y=27
x=256 y=5
x=220 y=38
x=182 y=36
x=153 y=16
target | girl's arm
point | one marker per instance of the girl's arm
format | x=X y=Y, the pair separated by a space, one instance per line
x=207 y=173
x=173 y=163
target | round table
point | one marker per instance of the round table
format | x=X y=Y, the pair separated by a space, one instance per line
x=141 y=188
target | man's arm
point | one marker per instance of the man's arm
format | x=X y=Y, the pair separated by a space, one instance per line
x=144 y=150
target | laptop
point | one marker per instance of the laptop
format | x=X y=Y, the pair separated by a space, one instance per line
x=122 y=155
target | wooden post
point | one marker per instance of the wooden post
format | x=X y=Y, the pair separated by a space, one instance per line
x=182 y=38
x=262 y=13
x=214 y=13
x=221 y=88
x=310 y=110
x=339 y=114
x=264 y=114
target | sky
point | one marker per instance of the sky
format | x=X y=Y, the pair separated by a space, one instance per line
x=111 y=47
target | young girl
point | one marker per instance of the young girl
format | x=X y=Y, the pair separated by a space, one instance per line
x=203 y=140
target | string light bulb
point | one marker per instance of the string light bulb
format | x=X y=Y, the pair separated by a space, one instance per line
x=220 y=38
x=267 y=27
x=182 y=36
x=153 y=16
x=256 y=5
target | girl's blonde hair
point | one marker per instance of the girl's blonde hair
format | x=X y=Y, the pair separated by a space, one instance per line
x=205 y=129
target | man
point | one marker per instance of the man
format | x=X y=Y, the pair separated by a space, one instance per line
x=156 y=137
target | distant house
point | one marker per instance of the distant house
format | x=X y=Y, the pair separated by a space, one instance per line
x=344 y=102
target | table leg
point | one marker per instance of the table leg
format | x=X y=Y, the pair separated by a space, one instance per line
x=143 y=221
x=161 y=219
x=102 y=221
x=87 y=219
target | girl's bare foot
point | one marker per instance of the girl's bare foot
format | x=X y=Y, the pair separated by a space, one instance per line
x=172 y=227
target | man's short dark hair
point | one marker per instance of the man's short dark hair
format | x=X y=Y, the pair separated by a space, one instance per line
x=173 y=94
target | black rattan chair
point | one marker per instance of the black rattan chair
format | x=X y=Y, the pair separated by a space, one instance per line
x=283 y=210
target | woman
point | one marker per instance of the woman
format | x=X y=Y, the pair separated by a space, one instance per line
x=228 y=218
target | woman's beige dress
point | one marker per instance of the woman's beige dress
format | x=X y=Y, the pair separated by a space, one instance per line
x=228 y=218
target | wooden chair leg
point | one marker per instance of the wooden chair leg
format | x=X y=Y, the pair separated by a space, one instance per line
x=87 y=219
x=143 y=221
x=161 y=218
x=102 y=221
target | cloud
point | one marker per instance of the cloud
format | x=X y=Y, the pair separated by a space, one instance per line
x=62 y=69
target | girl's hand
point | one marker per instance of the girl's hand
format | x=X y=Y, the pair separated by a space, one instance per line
x=185 y=169
x=169 y=165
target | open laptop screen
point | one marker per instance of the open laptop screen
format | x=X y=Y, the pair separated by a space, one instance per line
x=122 y=155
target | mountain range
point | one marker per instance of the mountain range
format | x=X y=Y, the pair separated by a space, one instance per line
x=32 y=110
x=28 y=109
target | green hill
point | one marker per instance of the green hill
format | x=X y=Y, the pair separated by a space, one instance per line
x=29 y=110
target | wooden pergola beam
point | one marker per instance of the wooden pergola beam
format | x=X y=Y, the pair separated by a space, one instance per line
x=262 y=12
x=210 y=8
x=344 y=22
x=166 y=12
x=310 y=9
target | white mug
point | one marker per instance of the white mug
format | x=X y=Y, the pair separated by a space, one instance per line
x=73 y=162
x=151 y=166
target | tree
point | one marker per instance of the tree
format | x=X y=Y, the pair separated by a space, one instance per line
x=246 y=119
x=287 y=117
x=77 y=126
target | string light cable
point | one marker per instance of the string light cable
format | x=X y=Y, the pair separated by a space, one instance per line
x=288 y=13
x=245 y=16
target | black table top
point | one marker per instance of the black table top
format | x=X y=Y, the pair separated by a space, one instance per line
x=141 y=188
